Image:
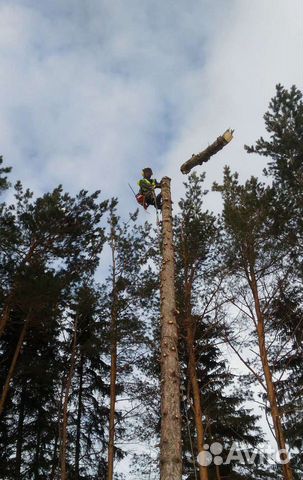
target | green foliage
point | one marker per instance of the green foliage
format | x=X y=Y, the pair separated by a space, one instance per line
x=284 y=123
x=50 y=245
x=4 y=184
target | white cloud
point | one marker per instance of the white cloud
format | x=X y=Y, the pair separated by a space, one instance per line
x=92 y=92
x=256 y=46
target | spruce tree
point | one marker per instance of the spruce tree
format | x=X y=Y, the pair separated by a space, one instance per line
x=214 y=408
x=254 y=259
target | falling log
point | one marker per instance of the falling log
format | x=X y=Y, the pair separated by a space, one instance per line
x=211 y=150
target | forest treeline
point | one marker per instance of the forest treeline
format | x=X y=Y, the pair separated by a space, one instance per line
x=79 y=367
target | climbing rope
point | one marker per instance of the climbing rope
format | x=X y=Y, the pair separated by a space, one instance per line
x=157 y=215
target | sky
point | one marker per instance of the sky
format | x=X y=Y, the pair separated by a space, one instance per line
x=93 y=91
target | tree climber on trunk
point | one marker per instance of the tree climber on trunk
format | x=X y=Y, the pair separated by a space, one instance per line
x=146 y=195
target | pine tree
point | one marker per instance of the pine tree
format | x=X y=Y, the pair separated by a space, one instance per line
x=213 y=408
x=284 y=124
x=49 y=245
x=170 y=449
x=255 y=261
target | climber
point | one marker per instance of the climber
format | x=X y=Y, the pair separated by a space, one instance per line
x=146 y=195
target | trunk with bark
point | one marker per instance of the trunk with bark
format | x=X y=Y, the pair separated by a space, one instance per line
x=79 y=415
x=171 y=451
x=190 y=329
x=192 y=370
x=270 y=386
x=211 y=150
x=13 y=365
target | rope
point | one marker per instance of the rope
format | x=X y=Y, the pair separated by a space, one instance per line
x=155 y=200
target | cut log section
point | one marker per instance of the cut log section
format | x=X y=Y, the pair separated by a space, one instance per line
x=211 y=150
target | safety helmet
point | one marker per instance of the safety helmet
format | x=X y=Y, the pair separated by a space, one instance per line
x=147 y=171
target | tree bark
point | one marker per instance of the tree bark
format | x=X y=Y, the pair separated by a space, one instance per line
x=270 y=386
x=211 y=150
x=65 y=404
x=190 y=329
x=192 y=369
x=170 y=446
x=11 y=371
x=113 y=366
x=79 y=415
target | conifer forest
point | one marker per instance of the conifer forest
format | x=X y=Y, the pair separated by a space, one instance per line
x=184 y=360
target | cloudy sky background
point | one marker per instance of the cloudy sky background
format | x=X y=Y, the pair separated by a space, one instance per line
x=92 y=91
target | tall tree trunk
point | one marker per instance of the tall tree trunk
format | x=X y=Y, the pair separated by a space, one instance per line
x=170 y=450
x=79 y=415
x=65 y=404
x=271 y=390
x=113 y=366
x=13 y=365
x=190 y=329
x=218 y=474
x=57 y=437
x=192 y=370
x=20 y=433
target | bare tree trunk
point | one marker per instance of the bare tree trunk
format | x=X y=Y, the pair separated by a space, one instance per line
x=65 y=404
x=192 y=369
x=170 y=450
x=79 y=415
x=211 y=150
x=113 y=366
x=13 y=365
x=218 y=474
x=271 y=391
x=190 y=329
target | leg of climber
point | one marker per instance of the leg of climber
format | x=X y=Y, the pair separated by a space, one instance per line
x=159 y=201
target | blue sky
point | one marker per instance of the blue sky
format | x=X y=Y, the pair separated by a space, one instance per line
x=92 y=91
